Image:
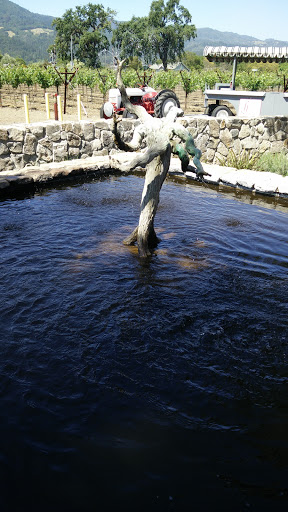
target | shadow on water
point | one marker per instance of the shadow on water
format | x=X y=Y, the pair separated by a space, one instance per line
x=143 y=385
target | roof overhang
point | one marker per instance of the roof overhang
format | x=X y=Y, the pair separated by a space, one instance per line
x=246 y=53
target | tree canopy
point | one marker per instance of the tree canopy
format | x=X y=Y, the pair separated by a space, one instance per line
x=88 y=27
x=131 y=39
x=161 y=34
x=193 y=61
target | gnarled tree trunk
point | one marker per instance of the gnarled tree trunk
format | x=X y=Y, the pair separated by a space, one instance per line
x=155 y=175
x=155 y=158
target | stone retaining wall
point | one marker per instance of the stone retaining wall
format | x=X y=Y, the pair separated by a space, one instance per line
x=30 y=144
x=217 y=137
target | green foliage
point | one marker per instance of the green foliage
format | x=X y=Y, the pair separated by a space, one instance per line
x=29 y=78
x=189 y=81
x=2 y=81
x=11 y=61
x=263 y=67
x=87 y=26
x=16 y=76
x=269 y=162
x=86 y=76
x=13 y=17
x=255 y=81
x=170 y=26
x=43 y=78
x=30 y=47
x=209 y=78
x=162 y=34
x=135 y=63
x=107 y=82
x=29 y=75
x=132 y=39
x=283 y=67
x=8 y=60
x=193 y=61
x=104 y=78
x=164 y=80
x=249 y=81
x=130 y=77
x=246 y=160
x=32 y=32
x=273 y=162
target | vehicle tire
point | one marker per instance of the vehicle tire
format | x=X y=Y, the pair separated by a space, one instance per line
x=221 y=111
x=163 y=102
x=128 y=115
x=208 y=110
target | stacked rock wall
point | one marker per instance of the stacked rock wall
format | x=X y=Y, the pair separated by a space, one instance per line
x=217 y=137
x=30 y=144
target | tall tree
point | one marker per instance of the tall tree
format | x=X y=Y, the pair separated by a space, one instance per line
x=160 y=35
x=87 y=27
x=170 y=28
x=131 y=39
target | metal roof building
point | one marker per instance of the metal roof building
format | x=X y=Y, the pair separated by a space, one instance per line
x=246 y=53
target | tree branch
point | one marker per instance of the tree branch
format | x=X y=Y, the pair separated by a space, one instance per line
x=133 y=109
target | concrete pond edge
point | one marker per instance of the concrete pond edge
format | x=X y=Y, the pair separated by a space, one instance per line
x=34 y=177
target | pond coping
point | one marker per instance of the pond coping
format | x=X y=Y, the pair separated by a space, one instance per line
x=33 y=177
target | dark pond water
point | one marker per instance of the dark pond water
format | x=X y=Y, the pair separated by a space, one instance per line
x=143 y=386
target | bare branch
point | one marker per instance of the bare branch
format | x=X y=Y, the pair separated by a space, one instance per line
x=133 y=109
x=160 y=134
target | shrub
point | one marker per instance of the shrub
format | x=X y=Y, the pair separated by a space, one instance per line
x=269 y=162
x=246 y=160
x=273 y=162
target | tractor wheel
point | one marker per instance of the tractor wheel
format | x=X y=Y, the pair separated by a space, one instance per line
x=164 y=101
x=208 y=110
x=221 y=111
x=127 y=114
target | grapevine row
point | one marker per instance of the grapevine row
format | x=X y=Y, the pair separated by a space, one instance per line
x=104 y=79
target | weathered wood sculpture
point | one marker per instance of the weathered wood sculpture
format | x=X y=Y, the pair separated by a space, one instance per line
x=162 y=136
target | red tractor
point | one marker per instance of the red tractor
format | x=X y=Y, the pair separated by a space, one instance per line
x=156 y=103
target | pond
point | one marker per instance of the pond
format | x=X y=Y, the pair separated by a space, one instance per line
x=143 y=385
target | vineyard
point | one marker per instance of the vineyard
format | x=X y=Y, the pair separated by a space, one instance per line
x=104 y=79
x=93 y=84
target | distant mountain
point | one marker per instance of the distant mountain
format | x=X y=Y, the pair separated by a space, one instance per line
x=12 y=16
x=28 y=35
x=211 y=37
x=23 y=33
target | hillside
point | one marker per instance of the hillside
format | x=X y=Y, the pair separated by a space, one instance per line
x=23 y=33
x=14 y=17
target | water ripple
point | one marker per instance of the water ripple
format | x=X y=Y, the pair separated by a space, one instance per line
x=105 y=358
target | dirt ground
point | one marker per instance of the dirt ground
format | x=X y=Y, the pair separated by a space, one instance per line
x=12 y=104
x=9 y=115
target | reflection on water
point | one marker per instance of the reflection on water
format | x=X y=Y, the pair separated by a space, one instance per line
x=135 y=385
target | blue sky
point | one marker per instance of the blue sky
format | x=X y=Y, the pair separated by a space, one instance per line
x=260 y=18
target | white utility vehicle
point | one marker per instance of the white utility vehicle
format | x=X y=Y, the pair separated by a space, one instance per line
x=245 y=103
